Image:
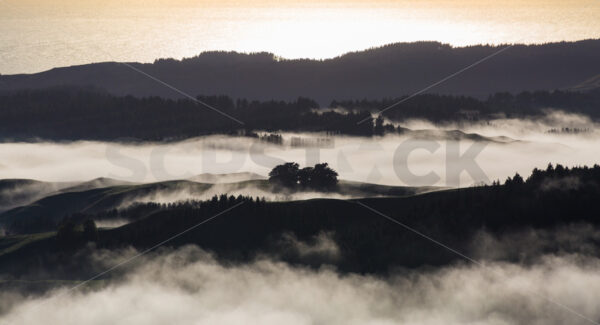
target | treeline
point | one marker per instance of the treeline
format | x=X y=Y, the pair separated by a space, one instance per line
x=367 y=241
x=440 y=108
x=365 y=238
x=383 y=72
x=138 y=210
x=88 y=114
x=80 y=227
x=289 y=175
x=557 y=177
x=76 y=114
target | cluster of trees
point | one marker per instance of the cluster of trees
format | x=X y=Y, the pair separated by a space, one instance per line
x=383 y=72
x=320 y=177
x=568 y=130
x=445 y=108
x=363 y=237
x=88 y=114
x=81 y=227
x=557 y=177
x=452 y=217
x=76 y=114
x=274 y=138
x=69 y=231
x=138 y=211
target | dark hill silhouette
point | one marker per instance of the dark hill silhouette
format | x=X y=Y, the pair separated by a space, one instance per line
x=18 y=192
x=388 y=71
x=589 y=84
x=70 y=113
x=89 y=198
x=368 y=242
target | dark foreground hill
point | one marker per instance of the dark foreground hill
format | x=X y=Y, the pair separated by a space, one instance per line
x=389 y=71
x=18 y=192
x=365 y=238
x=89 y=199
x=21 y=192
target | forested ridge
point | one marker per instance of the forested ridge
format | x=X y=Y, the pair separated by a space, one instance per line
x=388 y=71
x=368 y=242
x=443 y=109
x=88 y=114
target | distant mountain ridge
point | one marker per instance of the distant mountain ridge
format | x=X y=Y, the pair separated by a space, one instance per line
x=389 y=71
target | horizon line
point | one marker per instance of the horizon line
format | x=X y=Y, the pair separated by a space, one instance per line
x=278 y=58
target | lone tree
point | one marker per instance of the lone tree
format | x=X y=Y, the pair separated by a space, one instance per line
x=319 y=177
x=516 y=181
x=323 y=177
x=305 y=176
x=67 y=231
x=90 y=231
x=286 y=174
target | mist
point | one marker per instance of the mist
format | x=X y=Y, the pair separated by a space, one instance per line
x=188 y=286
x=114 y=223
x=268 y=193
x=525 y=129
x=511 y=146
x=17 y=194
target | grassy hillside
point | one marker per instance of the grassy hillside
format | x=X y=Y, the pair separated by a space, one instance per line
x=371 y=235
x=46 y=213
x=366 y=241
x=17 y=192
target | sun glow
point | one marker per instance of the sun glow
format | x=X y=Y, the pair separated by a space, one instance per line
x=42 y=36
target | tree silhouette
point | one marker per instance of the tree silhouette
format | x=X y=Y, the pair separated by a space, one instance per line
x=285 y=175
x=379 y=128
x=304 y=176
x=320 y=177
x=90 y=231
x=67 y=232
x=323 y=177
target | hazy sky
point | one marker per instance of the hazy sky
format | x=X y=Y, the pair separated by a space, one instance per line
x=39 y=35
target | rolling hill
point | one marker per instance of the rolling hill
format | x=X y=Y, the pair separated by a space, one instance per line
x=20 y=192
x=386 y=72
x=17 y=192
x=366 y=238
x=44 y=214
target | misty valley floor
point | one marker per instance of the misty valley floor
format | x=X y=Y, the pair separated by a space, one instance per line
x=304 y=257
x=429 y=181
x=187 y=286
x=274 y=262
x=190 y=231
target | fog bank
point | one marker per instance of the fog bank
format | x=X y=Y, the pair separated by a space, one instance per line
x=399 y=159
x=187 y=286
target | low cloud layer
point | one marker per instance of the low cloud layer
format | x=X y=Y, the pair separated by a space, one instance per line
x=14 y=193
x=187 y=286
x=528 y=244
x=269 y=194
x=355 y=158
